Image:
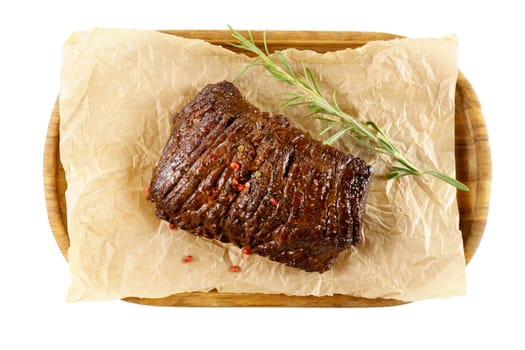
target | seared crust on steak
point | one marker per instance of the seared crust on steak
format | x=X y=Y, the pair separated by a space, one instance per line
x=233 y=173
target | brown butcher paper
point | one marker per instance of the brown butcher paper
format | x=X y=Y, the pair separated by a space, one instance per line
x=119 y=89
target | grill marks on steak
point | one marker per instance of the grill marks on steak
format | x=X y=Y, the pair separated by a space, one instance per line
x=302 y=201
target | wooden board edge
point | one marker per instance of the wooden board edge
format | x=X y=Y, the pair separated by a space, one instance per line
x=55 y=214
x=216 y=299
x=479 y=195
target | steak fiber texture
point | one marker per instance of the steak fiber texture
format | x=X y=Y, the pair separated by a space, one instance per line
x=235 y=174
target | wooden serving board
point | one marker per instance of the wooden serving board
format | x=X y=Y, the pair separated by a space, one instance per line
x=473 y=167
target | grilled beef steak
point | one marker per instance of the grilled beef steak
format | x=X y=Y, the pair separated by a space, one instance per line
x=232 y=173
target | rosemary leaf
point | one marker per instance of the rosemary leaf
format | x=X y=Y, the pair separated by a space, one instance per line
x=325 y=130
x=374 y=127
x=244 y=69
x=336 y=136
x=285 y=63
x=448 y=179
x=397 y=172
x=386 y=145
x=265 y=44
x=293 y=101
x=326 y=120
x=308 y=73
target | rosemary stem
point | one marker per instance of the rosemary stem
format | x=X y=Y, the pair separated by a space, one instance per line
x=367 y=134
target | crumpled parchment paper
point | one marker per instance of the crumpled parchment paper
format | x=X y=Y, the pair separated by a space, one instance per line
x=118 y=91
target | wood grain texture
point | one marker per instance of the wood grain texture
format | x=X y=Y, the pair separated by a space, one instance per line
x=473 y=167
x=280 y=40
x=55 y=183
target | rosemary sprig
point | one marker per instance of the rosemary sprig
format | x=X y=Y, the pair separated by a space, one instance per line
x=366 y=134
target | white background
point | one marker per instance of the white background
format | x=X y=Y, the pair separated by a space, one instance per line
x=34 y=277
